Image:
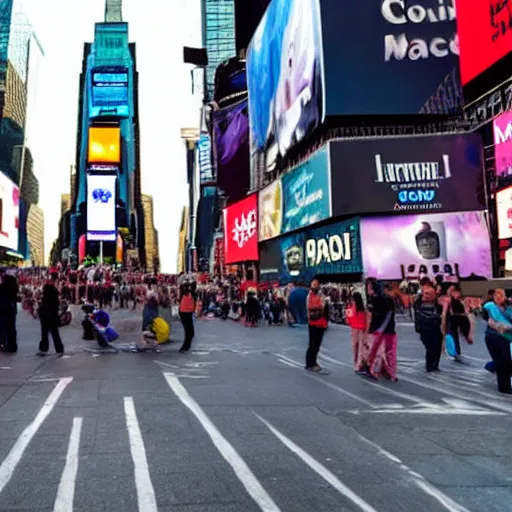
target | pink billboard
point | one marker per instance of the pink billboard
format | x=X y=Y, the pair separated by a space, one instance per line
x=411 y=246
x=502 y=126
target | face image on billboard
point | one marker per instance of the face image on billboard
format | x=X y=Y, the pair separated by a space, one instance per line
x=271 y=210
x=9 y=213
x=285 y=78
x=426 y=245
x=101 y=208
x=502 y=127
x=104 y=145
x=109 y=94
x=504 y=211
x=485 y=35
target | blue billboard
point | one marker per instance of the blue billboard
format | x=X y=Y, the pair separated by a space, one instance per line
x=109 y=92
x=298 y=199
x=328 y=250
x=285 y=78
x=204 y=157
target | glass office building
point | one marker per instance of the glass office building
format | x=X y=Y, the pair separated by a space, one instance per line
x=219 y=37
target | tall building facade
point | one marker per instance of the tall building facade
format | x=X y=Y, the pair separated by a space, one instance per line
x=151 y=235
x=20 y=58
x=219 y=37
x=108 y=147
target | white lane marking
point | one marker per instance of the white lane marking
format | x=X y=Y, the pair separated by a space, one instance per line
x=463 y=386
x=239 y=466
x=66 y=490
x=418 y=479
x=145 y=491
x=287 y=363
x=167 y=365
x=13 y=458
x=328 y=384
x=319 y=468
x=477 y=359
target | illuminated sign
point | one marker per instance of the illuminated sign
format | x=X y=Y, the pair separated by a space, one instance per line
x=109 y=95
x=101 y=208
x=104 y=145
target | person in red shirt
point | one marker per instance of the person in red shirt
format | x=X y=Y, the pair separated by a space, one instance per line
x=317 y=320
x=356 y=319
x=187 y=308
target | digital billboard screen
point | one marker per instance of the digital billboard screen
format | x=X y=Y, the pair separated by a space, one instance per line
x=104 y=145
x=9 y=213
x=441 y=173
x=109 y=92
x=285 y=78
x=386 y=57
x=447 y=244
x=485 y=35
x=504 y=213
x=502 y=127
x=101 y=208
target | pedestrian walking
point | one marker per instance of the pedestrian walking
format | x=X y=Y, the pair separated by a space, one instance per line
x=50 y=319
x=381 y=312
x=187 y=308
x=318 y=314
x=356 y=318
x=427 y=321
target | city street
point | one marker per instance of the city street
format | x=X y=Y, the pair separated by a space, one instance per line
x=238 y=425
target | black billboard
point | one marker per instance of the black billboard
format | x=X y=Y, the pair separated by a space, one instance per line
x=407 y=175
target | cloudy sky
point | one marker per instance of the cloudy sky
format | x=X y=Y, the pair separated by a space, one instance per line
x=160 y=28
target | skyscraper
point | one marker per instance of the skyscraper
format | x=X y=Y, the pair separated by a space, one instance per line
x=151 y=235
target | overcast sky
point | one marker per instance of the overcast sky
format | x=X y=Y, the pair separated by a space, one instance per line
x=160 y=28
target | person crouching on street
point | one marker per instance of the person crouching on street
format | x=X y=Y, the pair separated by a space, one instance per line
x=427 y=320
x=149 y=314
x=318 y=314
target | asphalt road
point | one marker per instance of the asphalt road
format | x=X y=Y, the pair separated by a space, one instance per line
x=238 y=425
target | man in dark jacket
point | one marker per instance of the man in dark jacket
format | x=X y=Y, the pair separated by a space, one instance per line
x=8 y=312
x=49 y=316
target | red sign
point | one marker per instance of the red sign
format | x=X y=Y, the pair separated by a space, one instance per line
x=241 y=230
x=485 y=34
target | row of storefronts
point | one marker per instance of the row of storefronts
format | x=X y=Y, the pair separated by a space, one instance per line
x=390 y=209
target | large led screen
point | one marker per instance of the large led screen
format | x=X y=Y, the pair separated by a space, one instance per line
x=502 y=126
x=442 y=173
x=300 y=198
x=485 y=35
x=386 y=56
x=450 y=244
x=104 y=145
x=285 y=78
x=109 y=95
x=9 y=213
x=504 y=211
x=101 y=208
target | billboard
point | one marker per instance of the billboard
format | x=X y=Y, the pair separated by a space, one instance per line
x=101 y=208
x=417 y=174
x=504 y=213
x=300 y=198
x=204 y=158
x=387 y=56
x=285 y=78
x=241 y=231
x=9 y=213
x=485 y=35
x=109 y=92
x=104 y=145
x=333 y=249
x=447 y=244
x=502 y=127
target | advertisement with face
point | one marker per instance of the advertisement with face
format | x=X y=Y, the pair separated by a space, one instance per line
x=101 y=208
x=502 y=127
x=109 y=96
x=504 y=211
x=299 y=199
x=334 y=249
x=485 y=35
x=404 y=175
x=388 y=56
x=9 y=213
x=241 y=231
x=285 y=78
x=450 y=244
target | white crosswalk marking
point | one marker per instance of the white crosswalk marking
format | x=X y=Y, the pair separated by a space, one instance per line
x=145 y=492
x=13 y=458
x=66 y=491
x=320 y=469
x=241 y=469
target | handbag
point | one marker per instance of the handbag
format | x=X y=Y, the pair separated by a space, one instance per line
x=450 y=345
